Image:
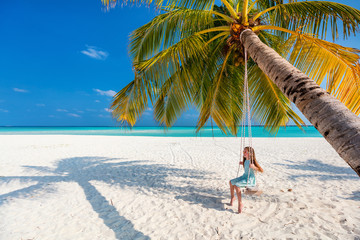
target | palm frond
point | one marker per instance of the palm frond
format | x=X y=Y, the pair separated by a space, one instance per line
x=269 y=104
x=207 y=69
x=276 y=42
x=195 y=4
x=172 y=71
x=168 y=62
x=186 y=48
x=314 y=17
x=131 y=101
x=321 y=60
x=167 y=29
x=230 y=6
x=174 y=97
x=220 y=103
x=262 y=5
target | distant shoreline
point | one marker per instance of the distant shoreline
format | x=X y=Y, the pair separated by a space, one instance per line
x=256 y=131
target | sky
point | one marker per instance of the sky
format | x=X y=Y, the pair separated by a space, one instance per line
x=62 y=61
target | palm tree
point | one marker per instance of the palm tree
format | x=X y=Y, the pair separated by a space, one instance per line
x=192 y=53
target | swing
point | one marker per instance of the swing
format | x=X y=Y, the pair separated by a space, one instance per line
x=250 y=188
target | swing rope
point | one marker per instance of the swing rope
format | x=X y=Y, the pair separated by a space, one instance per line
x=246 y=115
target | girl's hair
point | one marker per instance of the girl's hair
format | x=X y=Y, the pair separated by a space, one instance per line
x=252 y=159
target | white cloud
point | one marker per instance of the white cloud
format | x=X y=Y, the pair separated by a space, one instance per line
x=4 y=110
x=95 y=53
x=104 y=116
x=20 y=90
x=148 y=112
x=109 y=93
x=61 y=110
x=40 y=105
x=74 y=115
x=108 y=110
x=79 y=111
x=97 y=101
x=51 y=116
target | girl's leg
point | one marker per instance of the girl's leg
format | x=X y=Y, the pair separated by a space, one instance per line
x=238 y=193
x=232 y=193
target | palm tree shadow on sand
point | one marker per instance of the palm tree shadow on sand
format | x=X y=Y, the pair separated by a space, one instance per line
x=355 y=196
x=146 y=177
x=320 y=170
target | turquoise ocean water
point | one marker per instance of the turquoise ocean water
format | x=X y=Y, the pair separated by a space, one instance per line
x=257 y=131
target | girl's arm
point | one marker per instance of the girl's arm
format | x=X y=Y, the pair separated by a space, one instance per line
x=254 y=167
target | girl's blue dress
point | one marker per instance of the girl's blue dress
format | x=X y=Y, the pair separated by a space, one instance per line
x=244 y=181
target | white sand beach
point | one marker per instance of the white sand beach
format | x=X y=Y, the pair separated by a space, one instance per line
x=112 y=187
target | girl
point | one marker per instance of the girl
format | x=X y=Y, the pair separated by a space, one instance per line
x=248 y=178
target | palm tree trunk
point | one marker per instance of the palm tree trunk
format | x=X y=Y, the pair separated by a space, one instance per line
x=339 y=126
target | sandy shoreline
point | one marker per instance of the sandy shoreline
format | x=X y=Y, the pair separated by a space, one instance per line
x=112 y=187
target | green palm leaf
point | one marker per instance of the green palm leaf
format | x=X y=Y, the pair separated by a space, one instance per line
x=195 y=4
x=174 y=98
x=321 y=60
x=131 y=101
x=269 y=104
x=167 y=29
x=314 y=17
x=218 y=103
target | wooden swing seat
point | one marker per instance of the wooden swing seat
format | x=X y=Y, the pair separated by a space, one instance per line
x=253 y=190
